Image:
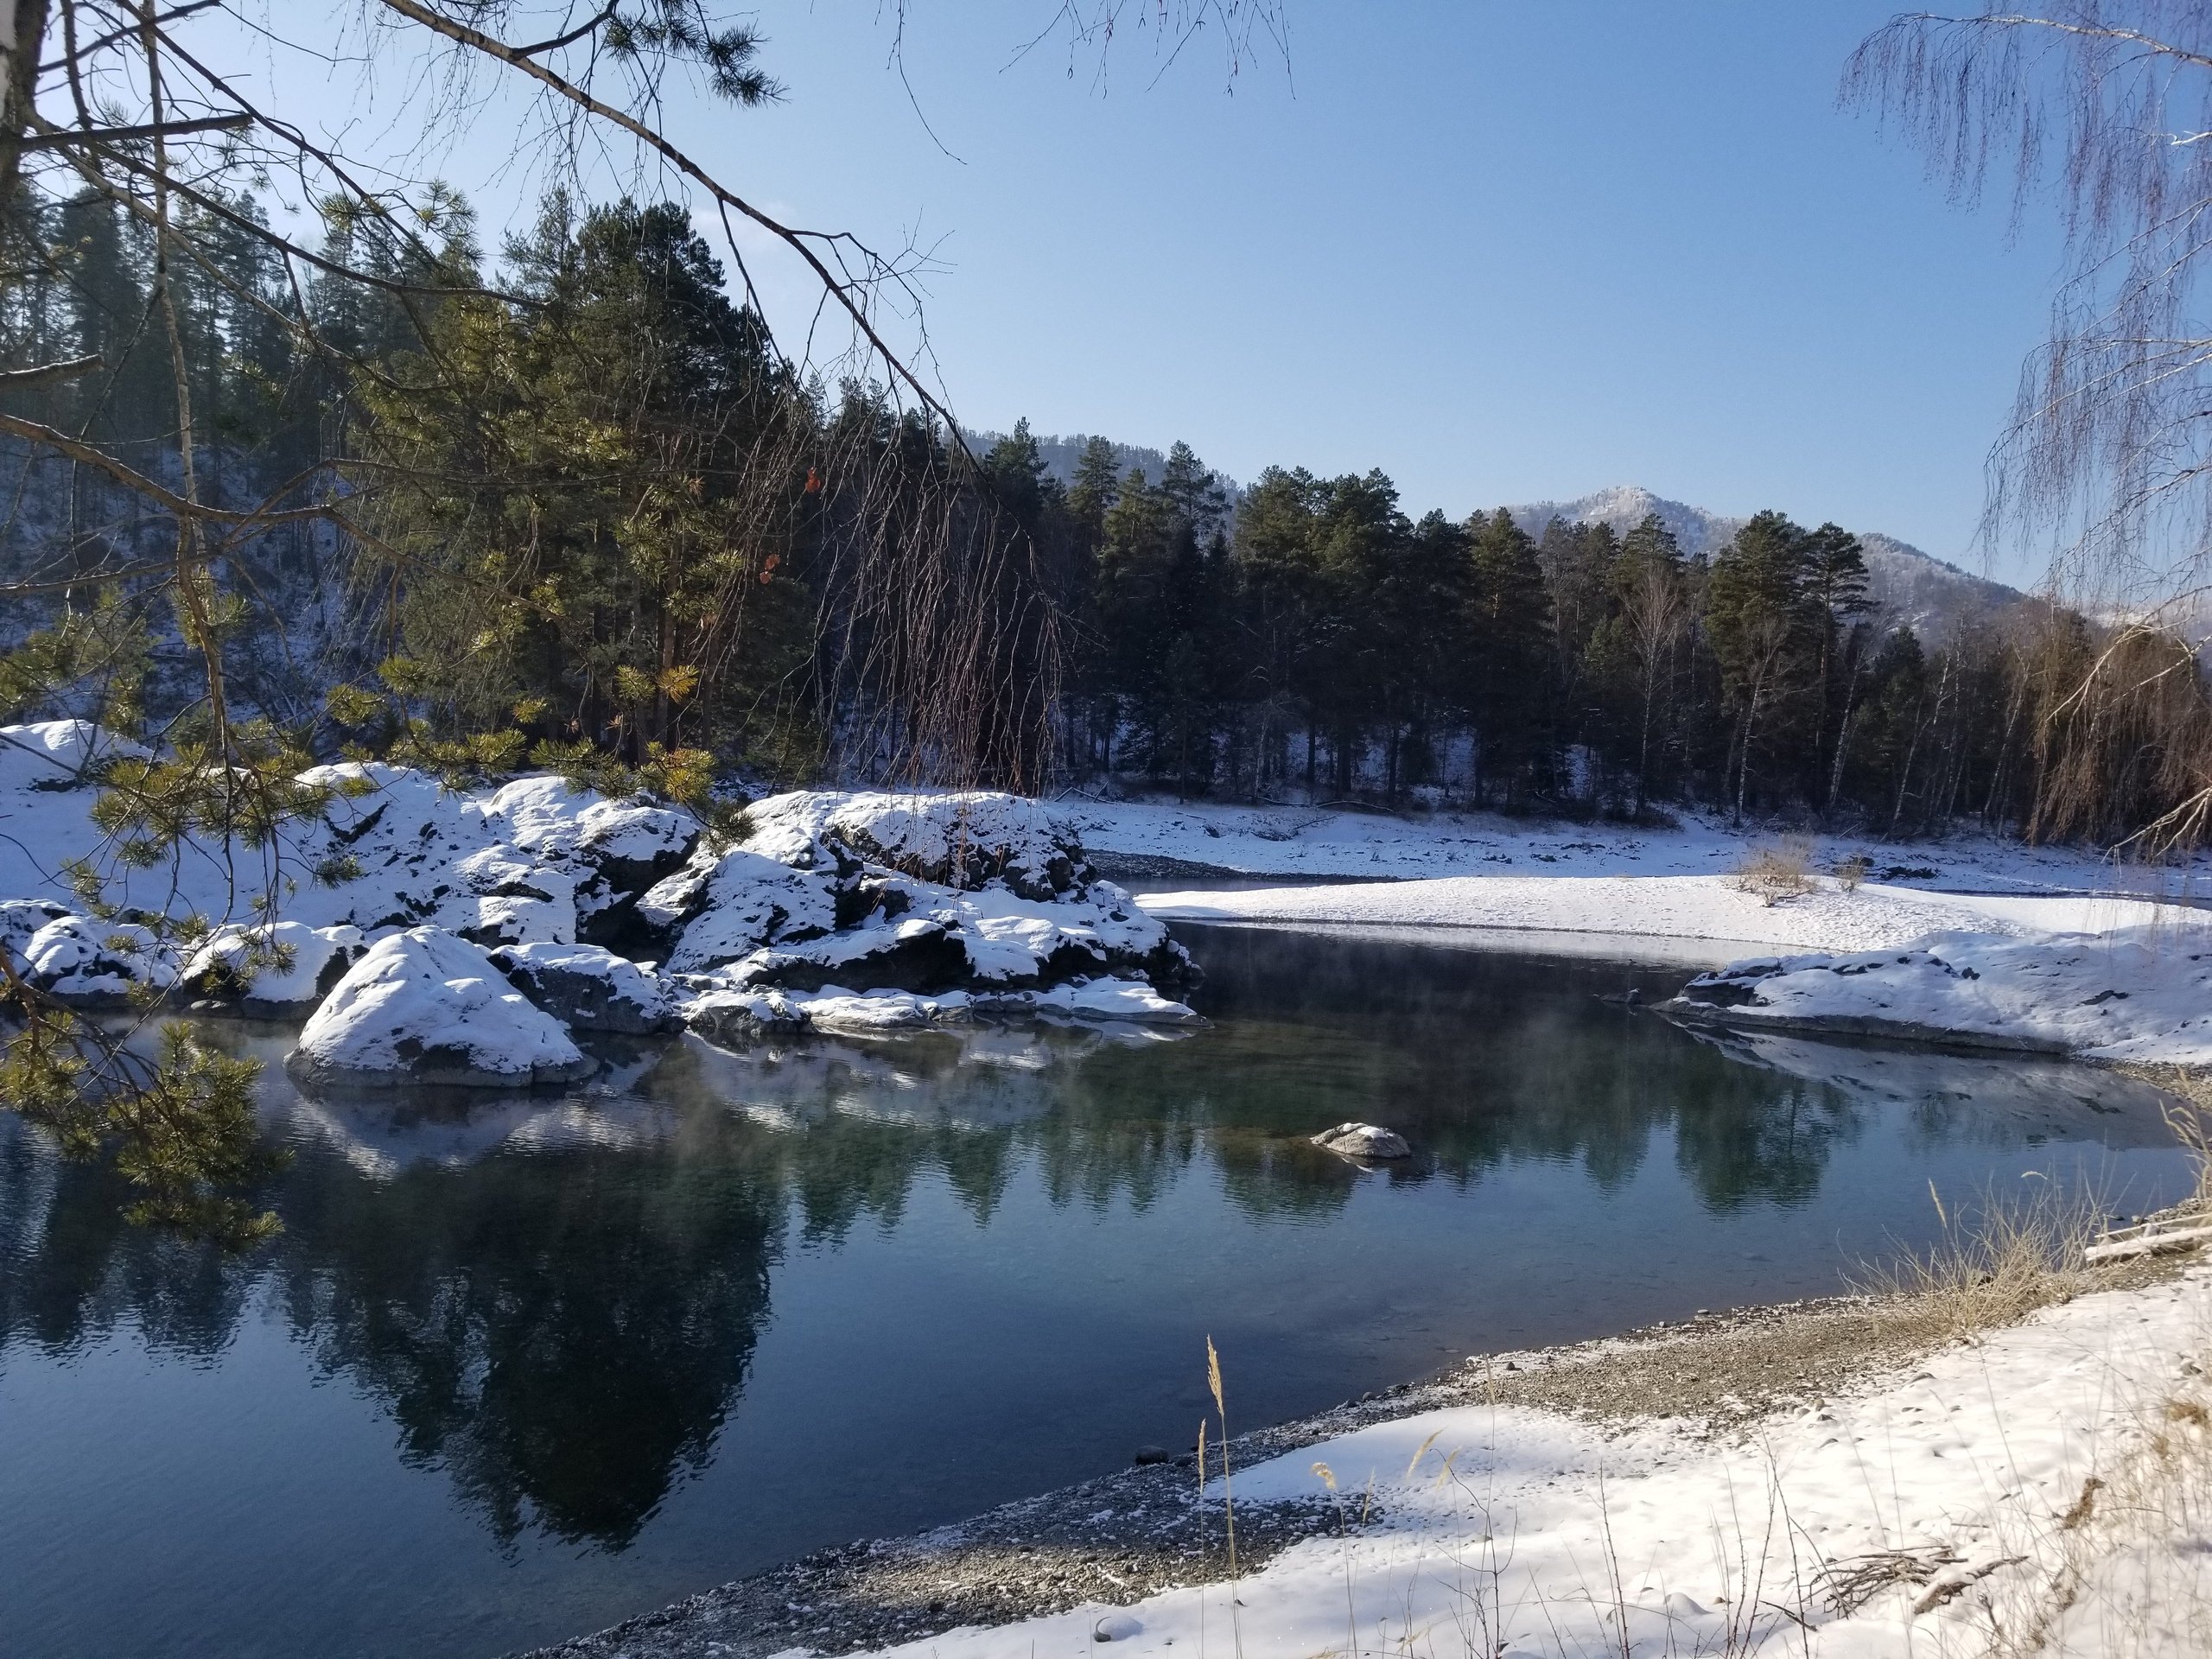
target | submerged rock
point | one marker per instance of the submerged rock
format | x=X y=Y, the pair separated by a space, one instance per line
x=1364 y=1140
x=427 y=1006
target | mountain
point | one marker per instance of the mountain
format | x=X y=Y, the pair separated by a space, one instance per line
x=1914 y=588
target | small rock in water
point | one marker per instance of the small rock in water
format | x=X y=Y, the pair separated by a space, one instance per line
x=1151 y=1455
x=1364 y=1140
x=1116 y=1627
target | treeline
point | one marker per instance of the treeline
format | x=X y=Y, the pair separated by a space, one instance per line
x=1322 y=643
x=594 y=519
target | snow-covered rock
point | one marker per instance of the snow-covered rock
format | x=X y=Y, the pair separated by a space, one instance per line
x=2136 y=994
x=22 y=918
x=841 y=1012
x=731 y=905
x=921 y=893
x=426 y=1007
x=1360 y=1141
x=960 y=839
x=736 y=1018
x=587 y=988
x=274 y=970
x=1129 y=1001
x=83 y=959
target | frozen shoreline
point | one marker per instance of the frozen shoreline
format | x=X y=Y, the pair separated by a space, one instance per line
x=1651 y=1448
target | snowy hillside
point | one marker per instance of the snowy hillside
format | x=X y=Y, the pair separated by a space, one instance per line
x=1913 y=587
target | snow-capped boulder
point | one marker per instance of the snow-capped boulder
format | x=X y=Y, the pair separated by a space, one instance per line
x=840 y=1013
x=535 y=861
x=22 y=918
x=956 y=838
x=1364 y=1140
x=916 y=955
x=736 y=1018
x=734 y=905
x=615 y=850
x=587 y=988
x=83 y=959
x=1128 y=1001
x=274 y=970
x=427 y=1006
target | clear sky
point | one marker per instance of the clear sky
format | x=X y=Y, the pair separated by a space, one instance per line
x=1502 y=251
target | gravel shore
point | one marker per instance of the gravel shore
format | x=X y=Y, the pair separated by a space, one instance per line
x=1121 y=1537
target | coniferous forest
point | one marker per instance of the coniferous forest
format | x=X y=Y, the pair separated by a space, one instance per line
x=597 y=522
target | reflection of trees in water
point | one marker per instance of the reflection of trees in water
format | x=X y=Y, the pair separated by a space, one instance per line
x=564 y=1329
x=561 y=1331
x=71 y=1270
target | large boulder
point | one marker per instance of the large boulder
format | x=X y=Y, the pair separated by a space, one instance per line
x=918 y=955
x=955 y=838
x=274 y=971
x=98 y=963
x=589 y=989
x=731 y=905
x=427 y=1006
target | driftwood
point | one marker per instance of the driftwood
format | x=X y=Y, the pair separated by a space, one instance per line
x=2151 y=1238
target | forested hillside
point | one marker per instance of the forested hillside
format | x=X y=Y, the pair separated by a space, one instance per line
x=595 y=521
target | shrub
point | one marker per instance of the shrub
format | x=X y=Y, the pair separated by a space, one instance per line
x=1781 y=870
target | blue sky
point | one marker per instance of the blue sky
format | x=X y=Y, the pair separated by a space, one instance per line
x=1502 y=251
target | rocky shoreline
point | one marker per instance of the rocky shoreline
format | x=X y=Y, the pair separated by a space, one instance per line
x=1120 y=1537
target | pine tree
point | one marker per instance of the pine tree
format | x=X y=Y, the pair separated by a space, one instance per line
x=1758 y=618
x=1510 y=647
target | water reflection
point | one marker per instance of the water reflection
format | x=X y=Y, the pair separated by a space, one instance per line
x=559 y=1305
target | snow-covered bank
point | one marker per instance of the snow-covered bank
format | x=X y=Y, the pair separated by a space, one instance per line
x=1303 y=844
x=2141 y=994
x=865 y=913
x=1877 y=916
x=1895 y=1517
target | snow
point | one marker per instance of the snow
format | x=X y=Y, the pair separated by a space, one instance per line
x=88 y=960
x=2140 y=994
x=275 y=967
x=425 y=1006
x=1506 y=1530
x=1309 y=844
x=1707 y=907
x=874 y=890
x=959 y=838
x=588 y=989
x=746 y=901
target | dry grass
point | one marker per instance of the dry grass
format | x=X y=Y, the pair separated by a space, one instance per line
x=1850 y=872
x=1777 y=870
x=1993 y=1265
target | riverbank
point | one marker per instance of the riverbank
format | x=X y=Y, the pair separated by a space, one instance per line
x=1693 y=1433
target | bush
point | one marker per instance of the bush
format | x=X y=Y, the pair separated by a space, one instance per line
x=1779 y=871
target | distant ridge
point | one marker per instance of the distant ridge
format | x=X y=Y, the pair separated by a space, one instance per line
x=1914 y=588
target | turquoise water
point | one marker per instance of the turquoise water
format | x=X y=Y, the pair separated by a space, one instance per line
x=516 y=1369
